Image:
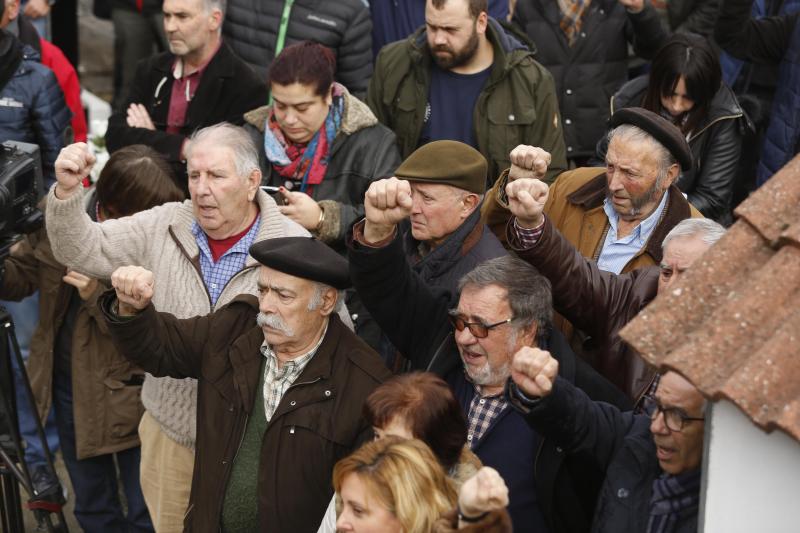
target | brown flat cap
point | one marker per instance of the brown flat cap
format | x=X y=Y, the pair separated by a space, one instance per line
x=303 y=257
x=447 y=162
x=662 y=129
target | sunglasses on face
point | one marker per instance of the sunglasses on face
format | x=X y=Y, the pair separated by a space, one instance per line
x=479 y=330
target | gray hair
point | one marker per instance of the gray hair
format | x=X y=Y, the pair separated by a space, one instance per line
x=245 y=155
x=211 y=5
x=529 y=293
x=703 y=228
x=629 y=132
x=319 y=292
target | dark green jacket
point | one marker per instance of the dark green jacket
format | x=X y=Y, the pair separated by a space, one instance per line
x=518 y=105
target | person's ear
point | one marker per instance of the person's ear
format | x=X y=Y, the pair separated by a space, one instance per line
x=214 y=20
x=672 y=174
x=253 y=181
x=329 y=298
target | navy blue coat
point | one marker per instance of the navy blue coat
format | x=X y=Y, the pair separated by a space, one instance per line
x=414 y=317
x=32 y=110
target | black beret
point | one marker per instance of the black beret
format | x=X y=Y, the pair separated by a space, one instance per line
x=662 y=129
x=448 y=162
x=304 y=257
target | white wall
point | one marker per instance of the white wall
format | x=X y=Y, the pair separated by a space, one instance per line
x=752 y=478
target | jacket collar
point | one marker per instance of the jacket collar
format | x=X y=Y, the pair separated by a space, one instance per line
x=591 y=196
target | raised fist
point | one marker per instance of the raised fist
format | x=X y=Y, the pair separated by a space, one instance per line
x=386 y=203
x=528 y=162
x=534 y=371
x=485 y=491
x=526 y=200
x=74 y=163
x=135 y=286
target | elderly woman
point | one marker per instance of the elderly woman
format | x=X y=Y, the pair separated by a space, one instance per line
x=320 y=147
x=394 y=485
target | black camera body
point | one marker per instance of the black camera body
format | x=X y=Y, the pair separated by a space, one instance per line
x=20 y=192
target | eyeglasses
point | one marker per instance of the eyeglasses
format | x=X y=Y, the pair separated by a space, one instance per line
x=674 y=418
x=478 y=329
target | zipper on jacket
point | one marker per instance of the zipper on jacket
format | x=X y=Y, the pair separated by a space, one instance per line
x=726 y=117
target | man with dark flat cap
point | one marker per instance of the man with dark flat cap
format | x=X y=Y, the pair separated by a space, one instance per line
x=617 y=215
x=281 y=383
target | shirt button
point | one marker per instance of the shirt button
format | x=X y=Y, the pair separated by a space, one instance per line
x=511 y=117
x=483 y=401
x=327 y=393
x=569 y=91
x=469 y=437
x=213 y=285
x=293 y=402
x=623 y=493
x=567 y=121
x=569 y=148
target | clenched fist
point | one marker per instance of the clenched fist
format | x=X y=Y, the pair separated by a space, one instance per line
x=386 y=203
x=74 y=163
x=534 y=371
x=526 y=200
x=135 y=286
x=528 y=162
x=485 y=491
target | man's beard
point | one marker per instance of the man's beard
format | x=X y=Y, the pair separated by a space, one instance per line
x=275 y=322
x=456 y=59
x=640 y=201
x=488 y=376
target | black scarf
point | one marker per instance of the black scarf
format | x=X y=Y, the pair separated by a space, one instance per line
x=675 y=499
x=10 y=57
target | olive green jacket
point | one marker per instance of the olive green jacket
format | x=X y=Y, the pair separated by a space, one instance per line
x=518 y=105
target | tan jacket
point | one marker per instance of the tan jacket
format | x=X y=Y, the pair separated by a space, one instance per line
x=105 y=386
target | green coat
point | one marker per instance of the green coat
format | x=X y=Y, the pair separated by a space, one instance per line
x=518 y=105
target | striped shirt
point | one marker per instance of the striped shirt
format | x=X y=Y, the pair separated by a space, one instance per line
x=279 y=377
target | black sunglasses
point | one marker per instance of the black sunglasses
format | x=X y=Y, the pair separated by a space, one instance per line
x=479 y=330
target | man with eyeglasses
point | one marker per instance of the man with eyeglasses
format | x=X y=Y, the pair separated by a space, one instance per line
x=503 y=306
x=652 y=460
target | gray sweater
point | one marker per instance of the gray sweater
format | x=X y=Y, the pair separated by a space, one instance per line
x=160 y=240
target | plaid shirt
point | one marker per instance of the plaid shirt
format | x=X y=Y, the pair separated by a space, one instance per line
x=217 y=275
x=482 y=412
x=527 y=238
x=277 y=379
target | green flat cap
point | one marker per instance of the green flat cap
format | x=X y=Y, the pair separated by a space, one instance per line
x=447 y=162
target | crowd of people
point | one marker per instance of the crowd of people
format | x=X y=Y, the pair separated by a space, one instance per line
x=362 y=266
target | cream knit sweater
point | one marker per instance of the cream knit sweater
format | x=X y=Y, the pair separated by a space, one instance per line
x=160 y=240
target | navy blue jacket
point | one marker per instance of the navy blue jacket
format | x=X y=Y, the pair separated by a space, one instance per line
x=32 y=107
x=414 y=317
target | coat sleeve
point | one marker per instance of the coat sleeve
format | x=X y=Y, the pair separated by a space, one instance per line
x=119 y=134
x=409 y=312
x=713 y=190
x=158 y=343
x=590 y=298
x=647 y=33
x=579 y=425
x=701 y=19
x=375 y=91
x=51 y=121
x=762 y=40
x=354 y=61
x=20 y=273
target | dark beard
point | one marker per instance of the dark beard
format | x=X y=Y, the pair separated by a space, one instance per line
x=456 y=59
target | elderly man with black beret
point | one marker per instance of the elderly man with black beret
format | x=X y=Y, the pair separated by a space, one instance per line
x=617 y=215
x=281 y=383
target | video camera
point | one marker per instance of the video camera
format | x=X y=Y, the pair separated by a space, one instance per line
x=20 y=192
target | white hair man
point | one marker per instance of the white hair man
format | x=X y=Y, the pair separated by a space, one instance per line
x=198 y=251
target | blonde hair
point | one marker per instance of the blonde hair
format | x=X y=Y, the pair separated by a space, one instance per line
x=405 y=477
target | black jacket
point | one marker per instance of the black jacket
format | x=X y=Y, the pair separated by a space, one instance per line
x=619 y=443
x=228 y=88
x=588 y=73
x=362 y=152
x=716 y=146
x=414 y=317
x=344 y=26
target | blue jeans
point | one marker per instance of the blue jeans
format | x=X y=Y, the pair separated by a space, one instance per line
x=25 y=315
x=94 y=480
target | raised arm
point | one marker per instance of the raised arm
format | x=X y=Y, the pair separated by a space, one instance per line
x=763 y=40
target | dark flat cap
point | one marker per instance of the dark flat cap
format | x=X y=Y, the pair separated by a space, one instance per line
x=662 y=129
x=447 y=162
x=304 y=257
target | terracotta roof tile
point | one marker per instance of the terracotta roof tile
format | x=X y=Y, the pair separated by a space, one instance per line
x=732 y=324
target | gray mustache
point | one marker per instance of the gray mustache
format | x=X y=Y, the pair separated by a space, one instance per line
x=275 y=322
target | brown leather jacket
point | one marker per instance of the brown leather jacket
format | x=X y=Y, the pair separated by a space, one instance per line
x=105 y=386
x=598 y=303
x=318 y=421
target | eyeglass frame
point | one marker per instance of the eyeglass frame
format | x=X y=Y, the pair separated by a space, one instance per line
x=455 y=317
x=682 y=416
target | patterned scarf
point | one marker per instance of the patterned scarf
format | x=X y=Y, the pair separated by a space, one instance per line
x=572 y=18
x=304 y=163
x=675 y=498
